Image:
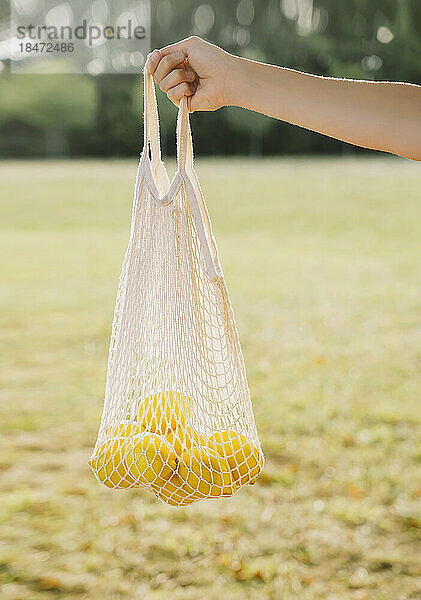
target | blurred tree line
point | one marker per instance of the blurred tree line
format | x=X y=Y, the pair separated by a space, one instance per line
x=72 y=115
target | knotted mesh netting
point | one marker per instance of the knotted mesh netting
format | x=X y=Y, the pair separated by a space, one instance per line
x=177 y=416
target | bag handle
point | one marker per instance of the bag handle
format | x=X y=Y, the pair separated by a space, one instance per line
x=151 y=138
x=184 y=175
x=184 y=138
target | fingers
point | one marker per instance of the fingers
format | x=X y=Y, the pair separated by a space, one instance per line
x=159 y=66
x=184 y=46
x=171 y=71
x=177 y=52
x=174 y=78
x=177 y=92
x=152 y=61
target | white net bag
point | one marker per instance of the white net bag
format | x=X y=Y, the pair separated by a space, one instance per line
x=177 y=416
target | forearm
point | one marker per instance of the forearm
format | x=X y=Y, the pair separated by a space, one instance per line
x=382 y=116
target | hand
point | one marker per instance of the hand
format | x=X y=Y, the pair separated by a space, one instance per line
x=193 y=68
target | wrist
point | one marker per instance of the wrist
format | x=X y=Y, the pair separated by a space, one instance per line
x=236 y=79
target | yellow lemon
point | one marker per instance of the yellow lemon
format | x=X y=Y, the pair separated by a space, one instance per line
x=205 y=474
x=151 y=460
x=182 y=439
x=244 y=459
x=164 y=411
x=125 y=429
x=174 y=492
x=108 y=461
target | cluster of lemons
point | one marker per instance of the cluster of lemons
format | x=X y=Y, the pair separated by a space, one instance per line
x=163 y=453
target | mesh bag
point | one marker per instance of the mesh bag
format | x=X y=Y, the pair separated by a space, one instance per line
x=177 y=416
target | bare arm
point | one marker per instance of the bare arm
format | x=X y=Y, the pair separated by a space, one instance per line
x=378 y=115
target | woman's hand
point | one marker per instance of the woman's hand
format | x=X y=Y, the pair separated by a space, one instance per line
x=196 y=69
x=379 y=115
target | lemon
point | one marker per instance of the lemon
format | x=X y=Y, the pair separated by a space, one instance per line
x=243 y=457
x=181 y=439
x=174 y=492
x=164 y=411
x=108 y=461
x=205 y=474
x=151 y=460
x=125 y=429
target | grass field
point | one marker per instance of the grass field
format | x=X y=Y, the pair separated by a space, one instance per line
x=323 y=263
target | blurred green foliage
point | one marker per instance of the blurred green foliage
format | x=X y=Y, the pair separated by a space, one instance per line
x=82 y=115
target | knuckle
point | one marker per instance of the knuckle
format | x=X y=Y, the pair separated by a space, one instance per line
x=167 y=61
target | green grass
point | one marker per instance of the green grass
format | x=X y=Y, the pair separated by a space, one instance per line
x=322 y=260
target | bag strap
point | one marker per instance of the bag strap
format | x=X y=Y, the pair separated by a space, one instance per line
x=151 y=138
x=151 y=126
x=184 y=175
x=184 y=138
